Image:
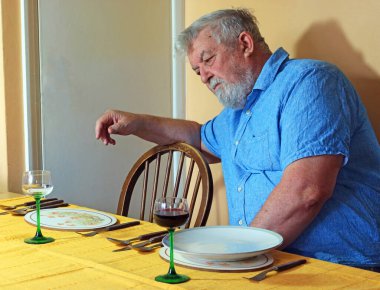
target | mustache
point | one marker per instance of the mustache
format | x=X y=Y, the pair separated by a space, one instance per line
x=214 y=81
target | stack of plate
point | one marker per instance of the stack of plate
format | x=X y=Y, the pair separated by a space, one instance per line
x=223 y=247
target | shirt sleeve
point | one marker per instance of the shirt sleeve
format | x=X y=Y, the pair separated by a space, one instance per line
x=211 y=133
x=315 y=119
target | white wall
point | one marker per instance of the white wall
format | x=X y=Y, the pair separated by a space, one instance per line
x=95 y=55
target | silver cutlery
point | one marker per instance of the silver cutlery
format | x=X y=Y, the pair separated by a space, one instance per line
x=26 y=204
x=150 y=241
x=279 y=268
x=142 y=244
x=24 y=211
x=149 y=248
x=110 y=228
x=138 y=238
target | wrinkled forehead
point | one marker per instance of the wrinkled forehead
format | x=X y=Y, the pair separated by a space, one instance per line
x=203 y=43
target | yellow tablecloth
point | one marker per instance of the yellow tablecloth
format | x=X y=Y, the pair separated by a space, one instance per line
x=76 y=262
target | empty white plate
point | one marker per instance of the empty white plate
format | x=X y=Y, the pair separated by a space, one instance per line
x=223 y=243
x=244 y=265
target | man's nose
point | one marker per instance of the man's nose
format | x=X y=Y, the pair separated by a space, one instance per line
x=205 y=75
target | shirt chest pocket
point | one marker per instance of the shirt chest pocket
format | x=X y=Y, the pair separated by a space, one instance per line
x=252 y=151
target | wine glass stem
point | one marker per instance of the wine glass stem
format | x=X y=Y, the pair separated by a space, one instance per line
x=38 y=232
x=171 y=269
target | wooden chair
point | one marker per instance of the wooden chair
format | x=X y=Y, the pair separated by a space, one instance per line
x=153 y=184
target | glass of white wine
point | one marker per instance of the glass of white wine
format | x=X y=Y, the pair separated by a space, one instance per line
x=38 y=184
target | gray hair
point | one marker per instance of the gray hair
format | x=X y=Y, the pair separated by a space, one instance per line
x=225 y=25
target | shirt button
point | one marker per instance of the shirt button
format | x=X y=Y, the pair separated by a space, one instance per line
x=248 y=113
x=239 y=188
x=240 y=222
x=236 y=142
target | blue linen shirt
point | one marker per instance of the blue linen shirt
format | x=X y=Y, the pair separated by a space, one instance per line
x=300 y=108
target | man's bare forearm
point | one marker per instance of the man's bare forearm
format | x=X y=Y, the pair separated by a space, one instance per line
x=287 y=216
x=161 y=130
x=293 y=204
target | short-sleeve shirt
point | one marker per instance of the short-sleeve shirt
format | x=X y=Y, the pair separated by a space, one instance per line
x=300 y=108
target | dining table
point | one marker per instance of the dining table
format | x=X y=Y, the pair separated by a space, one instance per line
x=74 y=261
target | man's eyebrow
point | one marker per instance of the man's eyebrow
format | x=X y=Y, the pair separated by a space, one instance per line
x=195 y=67
x=200 y=58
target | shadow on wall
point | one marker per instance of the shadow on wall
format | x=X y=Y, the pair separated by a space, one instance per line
x=327 y=41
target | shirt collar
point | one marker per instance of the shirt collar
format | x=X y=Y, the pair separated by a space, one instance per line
x=267 y=76
x=270 y=69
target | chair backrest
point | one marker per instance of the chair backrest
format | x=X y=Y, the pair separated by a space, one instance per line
x=156 y=184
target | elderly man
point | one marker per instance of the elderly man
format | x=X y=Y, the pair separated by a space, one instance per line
x=298 y=153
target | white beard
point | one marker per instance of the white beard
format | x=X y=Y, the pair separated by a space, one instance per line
x=233 y=96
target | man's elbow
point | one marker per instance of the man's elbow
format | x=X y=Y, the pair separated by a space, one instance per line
x=315 y=197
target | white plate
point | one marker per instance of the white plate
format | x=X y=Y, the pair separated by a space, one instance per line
x=71 y=219
x=244 y=265
x=223 y=243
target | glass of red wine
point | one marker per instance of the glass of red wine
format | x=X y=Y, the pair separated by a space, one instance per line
x=171 y=212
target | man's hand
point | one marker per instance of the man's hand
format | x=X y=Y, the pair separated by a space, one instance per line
x=115 y=122
x=159 y=130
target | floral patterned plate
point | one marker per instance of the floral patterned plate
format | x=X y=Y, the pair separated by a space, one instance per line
x=71 y=219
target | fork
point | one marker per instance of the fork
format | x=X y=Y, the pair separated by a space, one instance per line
x=139 y=238
x=149 y=248
x=142 y=244
x=278 y=268
x=110 y=228
x=152 y=240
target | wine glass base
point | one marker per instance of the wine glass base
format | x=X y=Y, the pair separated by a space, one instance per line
x=172 y=279
x=39 y=240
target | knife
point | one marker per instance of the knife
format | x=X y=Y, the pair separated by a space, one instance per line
x=41 y=201
x=47 y=203
x=24 y=211
x=55 y=205
x=110 y=228
x=121 y=226
x=279 y=268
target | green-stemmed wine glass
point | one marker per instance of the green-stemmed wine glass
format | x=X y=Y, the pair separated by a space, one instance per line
x=171 y=212
x=38 y=184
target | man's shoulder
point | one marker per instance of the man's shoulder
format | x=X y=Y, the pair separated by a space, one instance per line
x=305 y=65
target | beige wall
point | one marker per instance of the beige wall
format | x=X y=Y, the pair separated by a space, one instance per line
x=11 y=120
x=344 y=32
x=3 y=143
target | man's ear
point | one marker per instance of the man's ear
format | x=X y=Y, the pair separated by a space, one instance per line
x=246 y=43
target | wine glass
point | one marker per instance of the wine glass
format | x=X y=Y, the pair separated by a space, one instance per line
x=38 y=184
x=171 y=212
